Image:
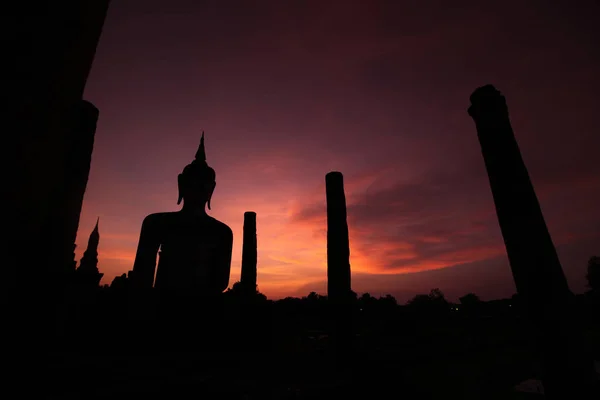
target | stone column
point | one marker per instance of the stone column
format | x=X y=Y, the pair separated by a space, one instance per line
x=338 y=245
x=338 y=264
x=536 y=269
x=49 y=55
x=249 y=252
x=78 y=162
x=50 y=59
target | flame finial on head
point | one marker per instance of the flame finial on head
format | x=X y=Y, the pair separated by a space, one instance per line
x=201 y=153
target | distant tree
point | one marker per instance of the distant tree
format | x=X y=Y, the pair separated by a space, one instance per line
x=388 y=299
x=434 y=302
x=313 y=303
x=437 y=295
x=313 y=296
x=471 y=303
x=593 y=273
x=240 y=290
x=469 y=299
x=366 y=299
x=419 y=300
x=260 y=296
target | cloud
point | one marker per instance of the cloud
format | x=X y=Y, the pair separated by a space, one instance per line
x=437 y=220
x=288 y=91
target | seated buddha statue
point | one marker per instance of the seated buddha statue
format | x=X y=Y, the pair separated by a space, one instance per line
x=194 y=249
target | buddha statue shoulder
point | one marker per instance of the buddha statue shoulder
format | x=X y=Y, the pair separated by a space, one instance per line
x=194 y=249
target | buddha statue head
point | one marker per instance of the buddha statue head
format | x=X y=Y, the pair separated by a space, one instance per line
x=197 y=181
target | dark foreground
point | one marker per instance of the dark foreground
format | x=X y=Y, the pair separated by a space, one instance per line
x=273 y=355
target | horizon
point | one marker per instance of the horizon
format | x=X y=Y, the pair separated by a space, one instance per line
x=293 y=93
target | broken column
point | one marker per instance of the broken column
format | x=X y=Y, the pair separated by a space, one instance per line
x=536 y=269
x=78 y=162
x=249 y=253
x=338 y=261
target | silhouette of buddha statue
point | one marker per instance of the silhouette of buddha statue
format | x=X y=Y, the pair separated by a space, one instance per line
x=194 y=248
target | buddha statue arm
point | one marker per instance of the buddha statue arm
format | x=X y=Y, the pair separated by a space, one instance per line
x=145 y=258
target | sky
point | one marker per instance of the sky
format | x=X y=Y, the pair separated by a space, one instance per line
x=287 y=91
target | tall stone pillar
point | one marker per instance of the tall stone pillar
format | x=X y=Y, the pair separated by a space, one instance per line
x=49 y=59
x=536 y=269
x=338 y=263
x=338 y=244
x=78 y=162
x=249 y=252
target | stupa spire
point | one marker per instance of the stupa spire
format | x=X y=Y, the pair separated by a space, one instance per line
x=88 y=267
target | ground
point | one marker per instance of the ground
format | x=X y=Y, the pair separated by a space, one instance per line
x=443 y=364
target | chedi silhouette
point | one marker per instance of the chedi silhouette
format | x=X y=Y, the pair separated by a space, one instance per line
x=88 y=274
x=194 y=248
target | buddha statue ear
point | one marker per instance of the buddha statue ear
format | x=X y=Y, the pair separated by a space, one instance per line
x=179 y=183
x=210 y=193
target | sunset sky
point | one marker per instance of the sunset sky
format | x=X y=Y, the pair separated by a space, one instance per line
x=288 y=90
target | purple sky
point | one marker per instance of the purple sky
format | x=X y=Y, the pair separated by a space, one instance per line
x=287 y=91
